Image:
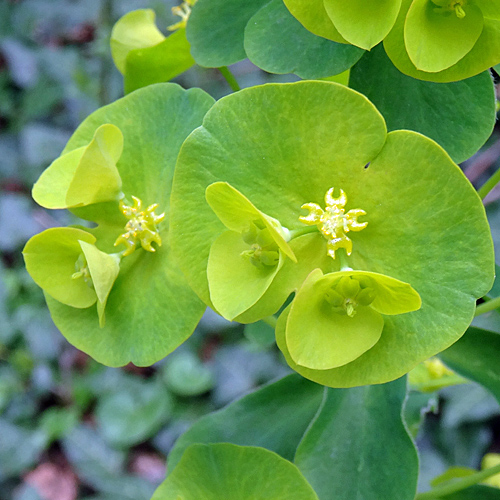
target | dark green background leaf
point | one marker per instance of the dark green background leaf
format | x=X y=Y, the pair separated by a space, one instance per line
x=276 y=42
x=459 y=116
x=216 y=28
x=358 y=447
x=475 y=356
x=274 y=417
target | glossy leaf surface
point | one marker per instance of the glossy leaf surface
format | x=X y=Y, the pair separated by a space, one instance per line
x=459 y=116
x=342 y=449
x=150 y=309
x=284 y=408
x=276 y=42
x=233 y=472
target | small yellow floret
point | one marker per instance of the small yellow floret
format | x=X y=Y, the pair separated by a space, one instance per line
x=334 y=222
x=141 y=226
x=183 y=11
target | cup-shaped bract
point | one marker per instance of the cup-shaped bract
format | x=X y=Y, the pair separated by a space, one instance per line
x=52 y=259
x=149 y=308
x=143 y=54
x=84 y=176
x=67 y=265
x=232 y=472
x=284 y=146
x=363 y=23
x=444 y=40
x=342 y=315
x=256 y=245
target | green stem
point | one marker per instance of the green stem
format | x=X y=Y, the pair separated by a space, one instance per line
x=487 y=306
x=489 y=185
x=342 y=256
x=229 y=78
x=270 y=320
x=459 y=484
x=295 y=233
x=106 y=22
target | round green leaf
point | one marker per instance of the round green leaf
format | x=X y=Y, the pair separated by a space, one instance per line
x=484 y=54
x=150 y=309
x=299 y=140
x=312 y=15
x=276 y=42
x=84 y=176
x=363 y=23
x=215 y=30
x=270 y=162
x=459 y=116
x=233 y=472
x=135 y=30
x=435 y=38
x=51 y=259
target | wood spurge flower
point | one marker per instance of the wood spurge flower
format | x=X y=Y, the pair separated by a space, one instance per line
x=141 y=227
x=334 y=222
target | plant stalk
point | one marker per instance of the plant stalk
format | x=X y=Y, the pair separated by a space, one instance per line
x=459 y=484
x=487 y=306
x=230 y=79
x=489 y=185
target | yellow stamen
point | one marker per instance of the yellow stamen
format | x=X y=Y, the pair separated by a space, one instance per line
x=333 y=222
x=141 y=226
x=183 y=11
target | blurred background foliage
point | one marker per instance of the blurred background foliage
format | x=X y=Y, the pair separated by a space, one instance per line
x=69 y=427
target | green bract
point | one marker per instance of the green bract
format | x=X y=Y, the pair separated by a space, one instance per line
x=85 y=175
x=342 y=312
x=232 y=472
x=445 y=41
x=376 y=208
x=52 y=259
x=360 y=22
x=124 y=264
x=253 y=235
x=143 y=54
